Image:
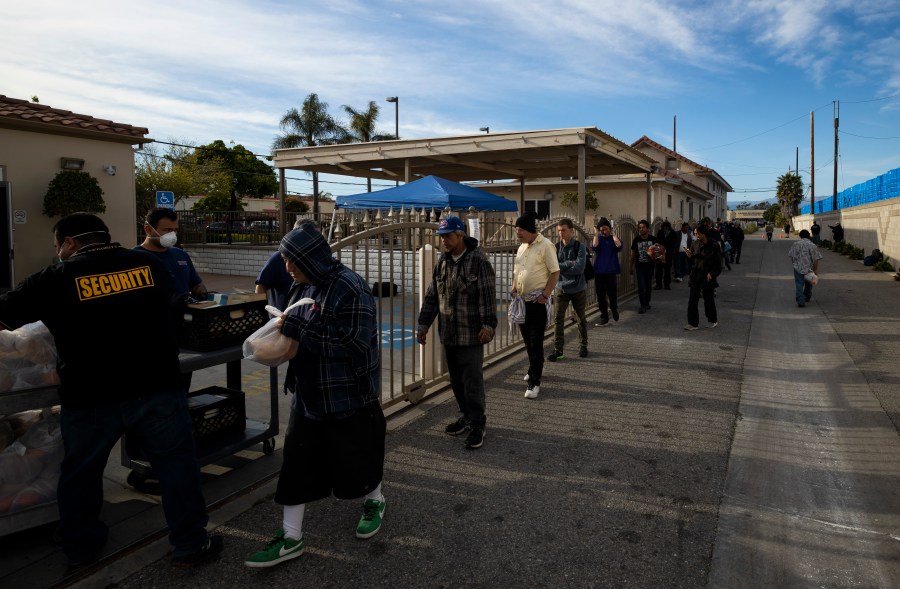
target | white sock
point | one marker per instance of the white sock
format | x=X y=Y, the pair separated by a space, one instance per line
x=376 y=494
x=293 y=521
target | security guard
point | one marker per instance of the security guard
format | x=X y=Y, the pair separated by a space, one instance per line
x=110 y=311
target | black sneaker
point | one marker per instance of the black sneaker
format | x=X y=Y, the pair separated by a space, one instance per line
x=582 y=353
x=603 y=322
x=457 y=427
x=555 y=356
x=475 y=438
x=615 y=315
x=209 y=552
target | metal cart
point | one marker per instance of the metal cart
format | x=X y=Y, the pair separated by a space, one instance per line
x=14 y=402
x=255 y=431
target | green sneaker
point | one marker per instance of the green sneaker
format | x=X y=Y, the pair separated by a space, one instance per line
x=370 y=522
x=279 y=549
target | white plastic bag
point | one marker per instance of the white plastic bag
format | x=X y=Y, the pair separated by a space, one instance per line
x=811 y=278
x=267 y=345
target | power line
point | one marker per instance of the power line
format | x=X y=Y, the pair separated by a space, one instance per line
x=864 y=136
x=764 y=132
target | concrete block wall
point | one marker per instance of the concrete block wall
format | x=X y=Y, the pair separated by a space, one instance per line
x=229 y=260
x=869 y=226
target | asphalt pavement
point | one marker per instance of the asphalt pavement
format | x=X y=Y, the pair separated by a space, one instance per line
x=760 y=453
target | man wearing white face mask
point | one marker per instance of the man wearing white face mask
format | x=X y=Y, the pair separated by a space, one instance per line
x=160 y=227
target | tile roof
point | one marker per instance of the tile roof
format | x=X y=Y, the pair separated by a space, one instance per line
x=646 y=140
x=25 y=114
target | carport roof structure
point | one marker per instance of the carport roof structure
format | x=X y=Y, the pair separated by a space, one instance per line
x=577 y=152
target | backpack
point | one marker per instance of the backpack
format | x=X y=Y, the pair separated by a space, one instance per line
x=588 y=263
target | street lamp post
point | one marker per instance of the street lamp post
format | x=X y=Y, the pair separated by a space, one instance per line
x=396 y=101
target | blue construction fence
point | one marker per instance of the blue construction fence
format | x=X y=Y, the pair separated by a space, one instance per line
x=880 y=188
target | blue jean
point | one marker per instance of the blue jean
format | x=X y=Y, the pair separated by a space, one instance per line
x=161 y=426
x=802 y=288
x=644 y=274
x=681 y=265
x=466 y=367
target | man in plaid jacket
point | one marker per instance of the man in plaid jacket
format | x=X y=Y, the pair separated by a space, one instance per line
x=462 y=295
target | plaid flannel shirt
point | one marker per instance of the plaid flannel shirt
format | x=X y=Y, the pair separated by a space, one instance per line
x=462 y=295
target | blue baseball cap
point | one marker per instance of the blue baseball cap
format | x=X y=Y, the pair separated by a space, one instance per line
x=450 y=224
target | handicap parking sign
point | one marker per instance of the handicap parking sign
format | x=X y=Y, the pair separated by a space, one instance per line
x=165 y=199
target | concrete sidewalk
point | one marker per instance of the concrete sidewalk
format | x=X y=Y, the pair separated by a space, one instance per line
x=623 y=471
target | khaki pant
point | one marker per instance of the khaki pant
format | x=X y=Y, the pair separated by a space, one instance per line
x=579 y=301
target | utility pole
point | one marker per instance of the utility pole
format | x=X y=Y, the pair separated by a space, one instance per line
x=675 y=133
x=812 y=163
x=837 y=116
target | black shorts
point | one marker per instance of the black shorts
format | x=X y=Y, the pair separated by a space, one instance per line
x=340 y=457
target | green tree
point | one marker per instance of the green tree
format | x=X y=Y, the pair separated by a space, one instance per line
x=218 y=202
x=245 y=174
x=292 y=204
x=362 y=128
x=570 y=199
x=170 y=171
x=773 y=214
x=308 y=127
x=72 y=191
x=789 y=191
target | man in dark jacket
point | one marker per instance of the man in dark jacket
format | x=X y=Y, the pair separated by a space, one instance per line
x=606 y=248
x=837 y=232
x=707 y=265
x=463 y=297
x=737 y=241
x=670 y=240
x=571 y=288
x=113 y=382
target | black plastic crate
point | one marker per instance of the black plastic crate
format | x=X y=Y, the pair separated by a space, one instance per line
x=216 y=412
x=221 y=326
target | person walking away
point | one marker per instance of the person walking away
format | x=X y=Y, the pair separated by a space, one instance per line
x=334 y=444
x=706 y=267
x=535 y=274
x=606 y=248
x=571 y=255
x=815 y=229
x=682 y=266
x=114 y=383
x=770 y=229
x=160 y=230
x=642 y=264
x=805 y=256
x=737 y=241
x=669 y=240
x=837 y=232
x=463 y=297
x=787 y=229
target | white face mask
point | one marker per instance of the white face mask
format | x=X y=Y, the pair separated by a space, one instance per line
x=168 y=240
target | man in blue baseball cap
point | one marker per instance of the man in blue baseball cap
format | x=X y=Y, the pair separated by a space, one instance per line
x=462 y=295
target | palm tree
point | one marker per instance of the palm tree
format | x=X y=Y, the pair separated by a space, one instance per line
x=308 y=127
x=789 y=190
x=362 y=128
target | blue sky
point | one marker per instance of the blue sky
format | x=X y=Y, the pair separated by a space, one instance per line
x=741 y=76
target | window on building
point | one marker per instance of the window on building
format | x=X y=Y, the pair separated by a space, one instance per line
x=669 y=198
x=671 y=163
x=541 y=208
x=681 y=208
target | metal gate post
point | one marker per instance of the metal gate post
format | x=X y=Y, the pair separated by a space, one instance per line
x=428 y=352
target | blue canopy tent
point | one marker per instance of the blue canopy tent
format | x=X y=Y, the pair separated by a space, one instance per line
x=428 y=192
